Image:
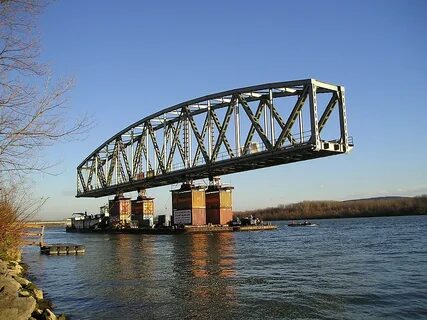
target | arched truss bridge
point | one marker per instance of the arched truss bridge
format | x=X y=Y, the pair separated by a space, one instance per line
x=218 y=134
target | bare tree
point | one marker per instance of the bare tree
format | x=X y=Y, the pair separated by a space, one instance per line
x=32 y=108
x=32 y=116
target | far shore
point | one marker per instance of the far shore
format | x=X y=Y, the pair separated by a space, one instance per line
x=359 y=208
x=47 y=223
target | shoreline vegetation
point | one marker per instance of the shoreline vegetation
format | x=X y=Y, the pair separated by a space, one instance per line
x=20 y=298
x=360 y=208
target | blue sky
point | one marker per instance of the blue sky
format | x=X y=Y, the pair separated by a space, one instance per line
x=132 y=58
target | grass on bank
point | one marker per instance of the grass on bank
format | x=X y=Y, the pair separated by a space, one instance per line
x=11 y=230
x=392 y=206
x=15 y=211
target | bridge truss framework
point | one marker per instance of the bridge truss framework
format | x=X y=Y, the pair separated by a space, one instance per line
x=222 y=133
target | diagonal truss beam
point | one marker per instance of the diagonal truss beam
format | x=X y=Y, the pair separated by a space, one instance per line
x=292 y=118
x=82 y=180
x=156 y=147
x=144 y=147
x=203 y=135
x=112 y=164
x=280 y=121
x=119 y=161
x=251 y=131
x=199 y=139
x=91 y=171
x=125 y=160
x=255 y=123
x=175 y=142
x=166 y=137
x=101 y=176
x=222 y=131
x=176 y=132
x=328 y=110
x=138 y=154
x=224 y=138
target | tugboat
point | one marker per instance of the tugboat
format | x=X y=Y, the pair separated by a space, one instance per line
x=302 y=224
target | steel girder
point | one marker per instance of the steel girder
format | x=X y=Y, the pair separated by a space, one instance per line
x=157 y=150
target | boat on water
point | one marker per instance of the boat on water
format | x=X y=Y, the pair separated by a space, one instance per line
x=302 y=224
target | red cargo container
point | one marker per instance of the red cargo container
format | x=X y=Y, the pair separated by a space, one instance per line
x=219 y=215
x=219 y=205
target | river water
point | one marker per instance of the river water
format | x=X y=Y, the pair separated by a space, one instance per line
x=373 y=268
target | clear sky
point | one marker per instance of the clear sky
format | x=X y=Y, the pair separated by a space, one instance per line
x=132 y=58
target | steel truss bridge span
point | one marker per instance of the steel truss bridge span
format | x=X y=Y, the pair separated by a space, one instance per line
x=222 y=133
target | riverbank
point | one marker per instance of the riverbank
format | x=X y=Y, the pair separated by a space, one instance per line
x=20 y=299
x=359 y=208
x=48 y=224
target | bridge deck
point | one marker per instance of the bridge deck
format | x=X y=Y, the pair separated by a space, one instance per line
x=251 y=162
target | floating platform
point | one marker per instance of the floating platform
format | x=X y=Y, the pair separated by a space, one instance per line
x=185 y=230
x=62 y=249
x=255 y=228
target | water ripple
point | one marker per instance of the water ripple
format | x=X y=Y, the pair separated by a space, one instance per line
x=343 y=269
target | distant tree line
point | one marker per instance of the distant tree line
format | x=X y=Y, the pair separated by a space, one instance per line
x=393 y=206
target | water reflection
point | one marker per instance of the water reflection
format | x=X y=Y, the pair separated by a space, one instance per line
x=124 y=275
x=205 y=267
x=212 y=255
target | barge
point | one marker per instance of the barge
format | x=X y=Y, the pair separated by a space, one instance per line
x=175 y=230
x=100 y=223
x=195 y=209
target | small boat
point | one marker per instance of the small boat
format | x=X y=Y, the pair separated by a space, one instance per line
x=302 y=224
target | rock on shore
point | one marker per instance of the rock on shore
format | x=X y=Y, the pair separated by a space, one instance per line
x=20 y=299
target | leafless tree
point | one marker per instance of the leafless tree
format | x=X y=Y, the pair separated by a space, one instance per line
x=32 y=107
x=33 y=116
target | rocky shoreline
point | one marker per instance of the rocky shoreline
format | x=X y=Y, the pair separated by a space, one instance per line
x=20 y=298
